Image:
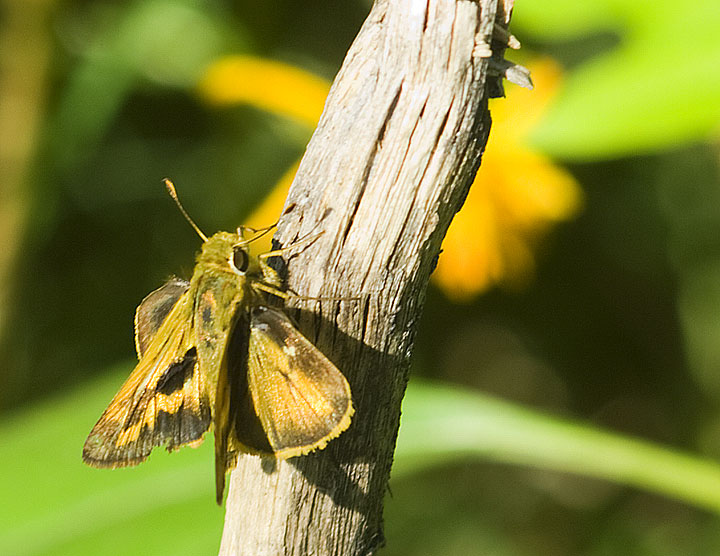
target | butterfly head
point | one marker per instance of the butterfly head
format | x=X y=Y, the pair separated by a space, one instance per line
x=225 y=250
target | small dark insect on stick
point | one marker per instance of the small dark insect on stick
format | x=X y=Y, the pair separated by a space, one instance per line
x=395 y=152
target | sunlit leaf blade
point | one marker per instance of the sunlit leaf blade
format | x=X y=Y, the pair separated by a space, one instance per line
x=623 y=104
x=657 y=89
x=562 y=18
x=54 y=504
x=442 y=423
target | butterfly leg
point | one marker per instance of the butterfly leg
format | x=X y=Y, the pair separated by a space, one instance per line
x=259 y=232
x=269 y=273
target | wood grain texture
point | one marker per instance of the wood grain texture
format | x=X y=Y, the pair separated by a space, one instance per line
x=390 y=163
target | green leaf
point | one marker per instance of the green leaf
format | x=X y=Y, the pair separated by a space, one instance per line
x=54 y=504
x=442 y=423
x=564 y=19
x=659 y=89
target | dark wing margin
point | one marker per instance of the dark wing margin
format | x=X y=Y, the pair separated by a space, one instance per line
x=153 y=309
x=301 y=399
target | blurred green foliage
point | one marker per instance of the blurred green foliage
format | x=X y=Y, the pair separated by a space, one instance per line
x=619 y=330
x=659 y=81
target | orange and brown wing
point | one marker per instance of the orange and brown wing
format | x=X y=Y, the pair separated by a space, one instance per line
x=301 y=399
x=164 y=402
x=154 y=309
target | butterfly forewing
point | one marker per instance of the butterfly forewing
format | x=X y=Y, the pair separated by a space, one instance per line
x=152 y=311
x=164 y=402
x=301 y=398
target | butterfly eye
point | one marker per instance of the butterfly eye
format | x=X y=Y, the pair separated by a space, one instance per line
x=240 y=259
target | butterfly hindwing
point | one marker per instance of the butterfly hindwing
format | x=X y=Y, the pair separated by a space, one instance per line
x=247 y=433
x=302 y=400
x=165 y=400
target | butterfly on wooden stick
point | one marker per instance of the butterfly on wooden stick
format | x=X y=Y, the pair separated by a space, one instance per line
x=214 y=353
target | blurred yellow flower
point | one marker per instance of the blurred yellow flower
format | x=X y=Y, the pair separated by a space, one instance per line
x=272 y=86
x=516 y=197
x=278 y=88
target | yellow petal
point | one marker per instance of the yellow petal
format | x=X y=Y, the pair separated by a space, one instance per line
x=278 y=88
x=517 y=195
x=269 y=210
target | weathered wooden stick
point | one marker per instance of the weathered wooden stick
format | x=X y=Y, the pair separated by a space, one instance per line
x=390 y=163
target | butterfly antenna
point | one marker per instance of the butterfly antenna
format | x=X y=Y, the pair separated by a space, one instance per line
x=170 y=186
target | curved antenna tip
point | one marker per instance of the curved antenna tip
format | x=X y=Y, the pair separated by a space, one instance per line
x=170 y=186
